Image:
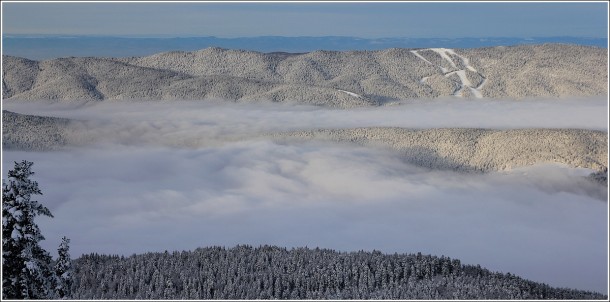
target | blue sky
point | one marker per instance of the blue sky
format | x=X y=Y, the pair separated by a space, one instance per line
x=367 y=20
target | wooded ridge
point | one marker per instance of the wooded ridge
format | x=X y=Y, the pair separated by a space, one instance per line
x=329 y=78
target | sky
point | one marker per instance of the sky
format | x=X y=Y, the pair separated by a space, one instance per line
x=366 y=20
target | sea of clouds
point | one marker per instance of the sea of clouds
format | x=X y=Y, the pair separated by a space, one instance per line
x=177 y=176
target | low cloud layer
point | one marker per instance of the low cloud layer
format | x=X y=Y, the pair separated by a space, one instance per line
x=193 y=124
x=536 y=222
x=139 y=190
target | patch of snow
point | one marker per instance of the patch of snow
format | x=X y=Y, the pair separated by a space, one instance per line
x=351 y=93
x=481 y=85
x=443 y=53
x=465 y=60
x=420 y=56
x=464 y=81
x=463 y=78
x=476 y=92
x=31 y=265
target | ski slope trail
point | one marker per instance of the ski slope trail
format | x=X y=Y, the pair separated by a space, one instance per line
x=350 y=93
x=450 y=56
x=420 y=56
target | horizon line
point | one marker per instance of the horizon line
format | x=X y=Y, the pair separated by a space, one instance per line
x=148 y=36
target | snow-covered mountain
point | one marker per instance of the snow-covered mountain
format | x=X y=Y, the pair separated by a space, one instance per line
x=328 y=78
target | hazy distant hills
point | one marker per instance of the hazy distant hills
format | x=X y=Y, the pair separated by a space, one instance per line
x=329 y=78
x=49 y=46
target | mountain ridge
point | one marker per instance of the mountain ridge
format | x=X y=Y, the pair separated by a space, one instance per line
x=329 y=78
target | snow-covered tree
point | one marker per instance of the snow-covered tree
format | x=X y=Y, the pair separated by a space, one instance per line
x=63 y=270
x=26 y=267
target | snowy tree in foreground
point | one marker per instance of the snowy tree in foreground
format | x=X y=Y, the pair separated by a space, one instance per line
x=63 y=270
x=26 y=267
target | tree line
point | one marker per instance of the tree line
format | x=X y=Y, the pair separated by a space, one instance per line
x=270 y=272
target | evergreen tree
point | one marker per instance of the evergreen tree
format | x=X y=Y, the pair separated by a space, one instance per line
x=63 y=270
x=26 y=267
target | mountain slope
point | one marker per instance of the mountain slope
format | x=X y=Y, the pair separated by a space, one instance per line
x=476 y=149
x=337 y=79
x=35 y=133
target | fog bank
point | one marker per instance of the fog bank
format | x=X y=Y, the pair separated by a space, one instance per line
x=155 y=176
x=164 y=122
x=545 y=223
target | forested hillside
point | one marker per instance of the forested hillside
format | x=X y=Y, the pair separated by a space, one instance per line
x=31 y=132
x=268 y=272
x=480 y=150
x=328 y=78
